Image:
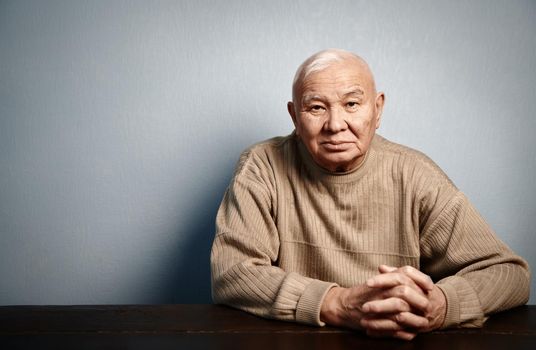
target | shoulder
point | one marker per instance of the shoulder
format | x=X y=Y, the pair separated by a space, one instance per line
x=429 y=186
x=395 y=150
x=263 y=161
x=412 y=167
x=408 y=160
x=268 y=148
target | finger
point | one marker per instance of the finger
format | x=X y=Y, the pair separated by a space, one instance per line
x=386 y=306
x=391 y=299
x=413 y=298
x=380 y=324
x=386 y=268
x=393 y=322
x=422 y=280
x=405 y=335
x=411 y=320
x=390 y=280
x=399 y=286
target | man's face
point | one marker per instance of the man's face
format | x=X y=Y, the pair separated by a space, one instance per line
x=336 y=113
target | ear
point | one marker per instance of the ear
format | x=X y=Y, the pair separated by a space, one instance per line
x=380 y=100
x=292 y=112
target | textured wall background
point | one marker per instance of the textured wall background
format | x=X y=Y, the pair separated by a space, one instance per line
x=121 y=122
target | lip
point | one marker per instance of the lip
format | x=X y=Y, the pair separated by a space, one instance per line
x=336 y=146
x=334 y=142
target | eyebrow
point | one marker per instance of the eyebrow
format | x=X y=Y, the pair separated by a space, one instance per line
x=355 y=90
x=308 y=98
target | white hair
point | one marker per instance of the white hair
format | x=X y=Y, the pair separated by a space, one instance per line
x=320 y=61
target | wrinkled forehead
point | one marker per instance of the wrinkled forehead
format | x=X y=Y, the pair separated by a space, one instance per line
x=339 y=77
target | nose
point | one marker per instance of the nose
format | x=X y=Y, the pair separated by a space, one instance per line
x=336 y=121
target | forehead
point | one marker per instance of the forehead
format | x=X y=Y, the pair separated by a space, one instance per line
x=338 y=78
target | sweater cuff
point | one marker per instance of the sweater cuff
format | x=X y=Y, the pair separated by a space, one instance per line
x=463 y=305
x=308 y=307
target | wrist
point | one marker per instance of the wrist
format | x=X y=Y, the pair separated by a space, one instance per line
x=439 y=305
x=331 y=306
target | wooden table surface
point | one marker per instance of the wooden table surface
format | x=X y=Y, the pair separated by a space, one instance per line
x=219 y=327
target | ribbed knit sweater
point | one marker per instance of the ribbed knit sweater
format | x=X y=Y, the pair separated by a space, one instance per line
x=287 y=231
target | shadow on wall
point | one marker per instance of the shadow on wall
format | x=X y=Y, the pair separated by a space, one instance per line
x=189 y=277
x=188 y=271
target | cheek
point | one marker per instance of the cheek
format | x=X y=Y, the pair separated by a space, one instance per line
x=366 y=124
x=361 y=125
x=310 y=128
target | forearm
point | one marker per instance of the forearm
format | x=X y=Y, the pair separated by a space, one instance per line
x=473 y=296
x=477 y=272
x=244 y=279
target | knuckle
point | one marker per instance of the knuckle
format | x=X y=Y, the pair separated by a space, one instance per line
x=400 y=279
x=407 y=269
x=406 y=280
x=401 y=304
x=370 y=307
x=369 y=325
x=402 y=292
x=427 y=307
x=425 y=322
x=405 y=290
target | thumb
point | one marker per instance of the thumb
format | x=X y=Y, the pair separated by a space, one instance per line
x=386 y=268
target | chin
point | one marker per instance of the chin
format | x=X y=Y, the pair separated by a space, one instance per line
x=332 y=165
x=339 y=159
x=339 y=162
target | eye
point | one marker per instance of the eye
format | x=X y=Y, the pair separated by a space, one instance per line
x=316 y=109
x=352 y=104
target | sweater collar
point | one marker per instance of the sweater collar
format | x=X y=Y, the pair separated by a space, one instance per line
x=337 y=177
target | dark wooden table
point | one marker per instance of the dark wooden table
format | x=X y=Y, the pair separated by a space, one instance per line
x=219 y=327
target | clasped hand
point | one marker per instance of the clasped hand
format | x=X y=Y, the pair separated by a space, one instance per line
x=398 y=302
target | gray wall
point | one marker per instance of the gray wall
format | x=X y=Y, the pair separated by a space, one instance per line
x=121 y=122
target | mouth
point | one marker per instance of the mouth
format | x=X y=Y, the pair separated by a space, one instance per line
x=336 y=146
x=334 y=142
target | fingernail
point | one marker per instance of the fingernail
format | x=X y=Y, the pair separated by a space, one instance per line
x=370 y=283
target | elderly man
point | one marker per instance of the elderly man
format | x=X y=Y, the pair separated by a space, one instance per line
x=335 y=224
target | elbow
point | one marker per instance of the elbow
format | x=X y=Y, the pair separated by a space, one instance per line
x=523 y=284
x=217 y=286
x=222 y=290
x=528 y=284
x=218 y=297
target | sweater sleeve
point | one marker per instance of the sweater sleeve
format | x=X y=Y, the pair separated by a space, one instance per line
x=245 y=253
x=476 y=271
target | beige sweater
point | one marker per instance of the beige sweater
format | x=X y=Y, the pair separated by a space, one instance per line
x=287 y=231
